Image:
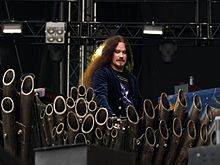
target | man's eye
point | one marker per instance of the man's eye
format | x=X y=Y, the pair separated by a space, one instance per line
x=119 y=51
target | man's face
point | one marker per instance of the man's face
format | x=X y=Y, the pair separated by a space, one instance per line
x=119 y=57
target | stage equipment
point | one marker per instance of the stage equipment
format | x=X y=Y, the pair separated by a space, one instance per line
x=187 y=139
x=55 y=32
x=180 y=105
x=153 y=29
x=175 y=134
x=82 y=155
x=162 y=136
x=59 y=107
x=204 y=155
x=165 y=109
x=132 y=129
x=148 y=116
x=12 y=27
x=9 y=127
x=26 y=106
x=87 y=128
x=147 y=145
x=72 y=126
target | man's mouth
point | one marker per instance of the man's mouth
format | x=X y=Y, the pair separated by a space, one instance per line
x=121 y=60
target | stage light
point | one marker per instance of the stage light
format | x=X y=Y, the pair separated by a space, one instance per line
x=12 y=28
x=153 y=29
x=55 y=32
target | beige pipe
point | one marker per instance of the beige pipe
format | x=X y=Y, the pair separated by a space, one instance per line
x=175 y=134
x=206 y=116
x=162 y=136
x=80 y=138
x=189 y=135
x=9 y=126
x=98 y=137
x=54 y=136
x=164 y=108
x=9 y=84
x=132 y=129
x=89 y=94
x=60 y=133
x=70 y=104
x=92 y=107
x=148 y=119
x=195 y=109
x=74 y=93
x=180 y=106
x=202 y=135
x=81 y=109
x=26 y=108
x=59 y=107
x=147 y=142
x=81 y=90
x=72 y=126
x=107 y=134
x=46 y=136
x=49 y=114
x=87 y=127
x=101 y=117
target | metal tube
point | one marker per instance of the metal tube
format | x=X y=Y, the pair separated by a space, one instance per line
x=132 y=128
x=189 y=135
x=70 y=104
x=148 y=119
x=147 y=144
x=175 y=134
x=87 y=127
x=74 y=93
x=72 y=126
x=98 y=136
x=60 y=133
x=89 y=94
x=195 y=109
x=26 y=105
x=164 y=108
x=92 y=107
x=107 y=134
x=101 y=117
x=9 y=127
x=202 y=135
x=59 y=107
x=207 y=116
x=180 y=106
x=81 y=109
x=162 y=136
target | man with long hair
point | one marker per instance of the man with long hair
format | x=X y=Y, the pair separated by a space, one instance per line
x=111 y=78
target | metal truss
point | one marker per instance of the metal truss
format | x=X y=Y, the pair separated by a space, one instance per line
x=88 y=34
x=91 y=32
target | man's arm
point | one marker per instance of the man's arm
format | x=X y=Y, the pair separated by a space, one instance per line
x=100 y=86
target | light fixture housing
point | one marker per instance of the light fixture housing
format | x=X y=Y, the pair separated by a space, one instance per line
x=12 y=28
x=55 y=32
x=153 y=29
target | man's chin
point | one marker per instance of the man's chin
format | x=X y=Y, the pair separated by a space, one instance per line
x=119 y=67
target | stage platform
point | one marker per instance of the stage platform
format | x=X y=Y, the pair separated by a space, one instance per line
x=82 y=155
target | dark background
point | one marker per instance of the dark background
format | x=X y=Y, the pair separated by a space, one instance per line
x=155 y=76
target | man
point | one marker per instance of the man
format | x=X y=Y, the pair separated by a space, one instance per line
x=111 y=78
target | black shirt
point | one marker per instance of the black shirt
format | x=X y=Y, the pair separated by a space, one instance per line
x=124 y=84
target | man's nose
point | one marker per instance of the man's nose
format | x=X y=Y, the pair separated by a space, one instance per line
x=121 y=54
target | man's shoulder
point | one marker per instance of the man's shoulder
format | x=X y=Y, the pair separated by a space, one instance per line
x=104 y=69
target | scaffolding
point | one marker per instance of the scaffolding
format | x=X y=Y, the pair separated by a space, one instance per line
x=83 y=32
